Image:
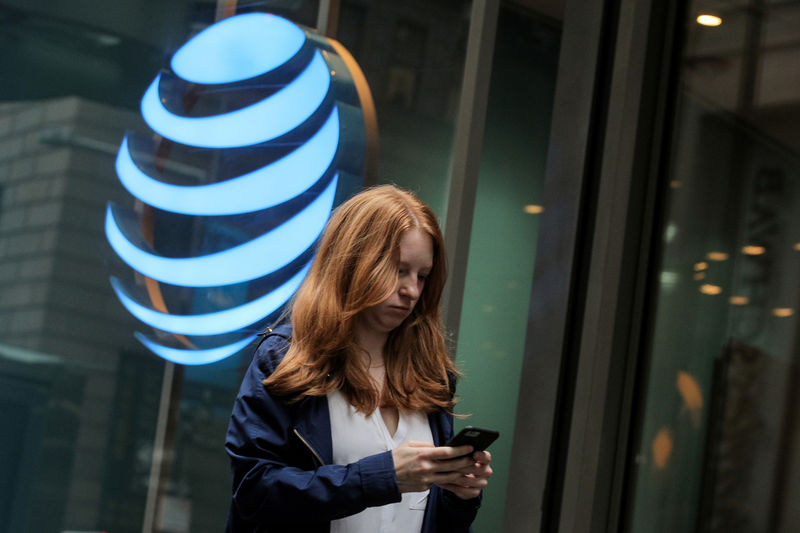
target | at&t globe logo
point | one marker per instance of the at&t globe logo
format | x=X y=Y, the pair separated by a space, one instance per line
x=260 y=129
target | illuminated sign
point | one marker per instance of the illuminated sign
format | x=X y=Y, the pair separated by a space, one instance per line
x=260 y=127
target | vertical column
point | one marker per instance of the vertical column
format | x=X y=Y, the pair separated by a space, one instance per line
x=467 y=153
x=543 y=408
x=328 y=17
x=641 y=82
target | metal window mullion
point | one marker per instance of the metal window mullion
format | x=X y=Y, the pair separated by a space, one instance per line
x=157 y=470
x=466 y=155
x=579 y=504
x=535 y=470
x=618 y=274
x=328 y=17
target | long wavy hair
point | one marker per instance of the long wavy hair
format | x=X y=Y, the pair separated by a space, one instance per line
x=355 y=268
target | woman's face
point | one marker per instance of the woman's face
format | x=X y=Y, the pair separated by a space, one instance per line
x=416 y=261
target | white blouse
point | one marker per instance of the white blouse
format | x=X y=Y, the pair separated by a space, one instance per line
x=356 y=436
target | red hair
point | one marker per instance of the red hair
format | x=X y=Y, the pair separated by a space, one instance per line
x=356 y=267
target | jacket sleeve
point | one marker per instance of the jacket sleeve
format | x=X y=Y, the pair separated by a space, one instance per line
x=267 y=489
x=452 y=514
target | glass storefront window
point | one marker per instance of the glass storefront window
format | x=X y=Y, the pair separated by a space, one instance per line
x=718 y=447
x=81 y=398
x=412 y=54
x=100 y=432
x=505 y=225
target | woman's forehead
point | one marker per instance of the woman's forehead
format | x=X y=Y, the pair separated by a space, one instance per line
x=416 y=247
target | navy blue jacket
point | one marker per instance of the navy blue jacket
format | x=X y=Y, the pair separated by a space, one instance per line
x=281 y=457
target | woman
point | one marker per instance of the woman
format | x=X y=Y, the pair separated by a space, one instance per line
x=342 y=417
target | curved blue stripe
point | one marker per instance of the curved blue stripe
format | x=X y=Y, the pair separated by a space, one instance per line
x=218 y=322
x=251 y=260
x=256 y=123
x=284 y=179
x=238 y=48
x=194 y=357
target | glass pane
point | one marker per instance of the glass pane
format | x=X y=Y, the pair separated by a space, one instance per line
x=505 y=225
x=412 y=54
x=719 y=448
x=79 y=395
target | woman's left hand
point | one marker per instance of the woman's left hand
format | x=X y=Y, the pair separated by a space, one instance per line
x=474 y=479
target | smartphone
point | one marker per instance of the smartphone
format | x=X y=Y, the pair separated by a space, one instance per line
x=478 y=438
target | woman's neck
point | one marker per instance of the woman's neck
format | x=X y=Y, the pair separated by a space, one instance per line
x=372 y=343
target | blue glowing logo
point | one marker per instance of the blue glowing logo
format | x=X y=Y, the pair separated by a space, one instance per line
x=260 y=128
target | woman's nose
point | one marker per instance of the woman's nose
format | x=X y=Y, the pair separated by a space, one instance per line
x=409 y=289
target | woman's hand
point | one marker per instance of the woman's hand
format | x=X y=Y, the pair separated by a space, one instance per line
x=474 y=477
x=419 y=465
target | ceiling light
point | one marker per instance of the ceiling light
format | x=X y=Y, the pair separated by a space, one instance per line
x=783 y=312
x=532 y=209
x=709 y=20
x=753 y=250
x=707 y=288
x=702 y=265
x=739 y=300
x=717 y=256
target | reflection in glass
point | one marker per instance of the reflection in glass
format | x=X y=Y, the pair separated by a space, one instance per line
x=79 y=397
x=718 y=447
x=412 y=54
x=505 y=225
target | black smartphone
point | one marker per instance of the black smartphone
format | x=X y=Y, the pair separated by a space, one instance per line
x=478 y=438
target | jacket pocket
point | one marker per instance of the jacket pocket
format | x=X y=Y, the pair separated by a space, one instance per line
x=317 y=459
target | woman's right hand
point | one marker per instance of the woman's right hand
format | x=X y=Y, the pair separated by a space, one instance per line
x=419 y=465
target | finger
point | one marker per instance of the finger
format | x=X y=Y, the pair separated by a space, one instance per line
x=478 y=469
x=482 y=457
x=484 y=472
x=464 y=493
x=457 y=464
x=455 y=487
x=479 y=466
x=450 y=452
x=455 y=467
x=449 y=478
x=470 y=482
x=476 y=487
x=463 y=465
x=418 y=444
x=472 y=468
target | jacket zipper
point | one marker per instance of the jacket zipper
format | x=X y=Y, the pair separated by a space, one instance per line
x=310 y=448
